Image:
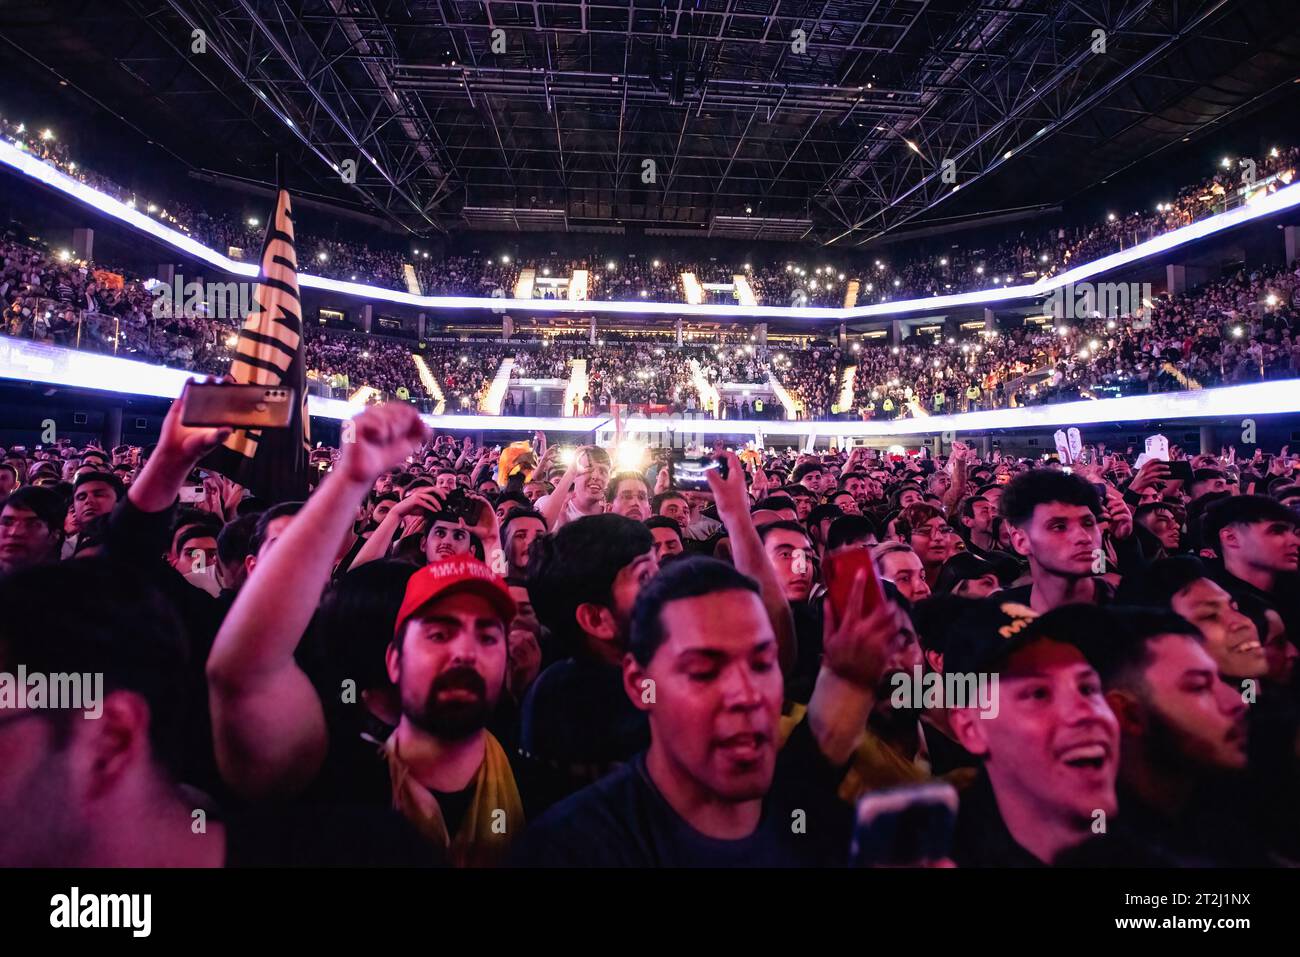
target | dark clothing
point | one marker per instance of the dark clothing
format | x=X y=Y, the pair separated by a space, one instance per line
x=808 y=625
x=140 y=539
x=578 y=721
x=324 y=836
x=981 y=838
x=624 y=821
x=1102 y=594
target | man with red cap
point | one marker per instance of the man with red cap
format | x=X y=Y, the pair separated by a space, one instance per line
x=448 y=660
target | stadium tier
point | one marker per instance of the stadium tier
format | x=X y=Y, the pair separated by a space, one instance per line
x=585 y=436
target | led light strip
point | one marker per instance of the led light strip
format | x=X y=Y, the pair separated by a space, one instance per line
x=1267 y=205
x=25 y=361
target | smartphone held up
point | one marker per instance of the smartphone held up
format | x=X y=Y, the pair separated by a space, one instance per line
x=219 y=405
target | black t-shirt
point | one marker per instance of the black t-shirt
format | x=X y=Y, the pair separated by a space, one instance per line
x=324 y=835
x=1103 y=594
x=623 y=821
x=578 y=721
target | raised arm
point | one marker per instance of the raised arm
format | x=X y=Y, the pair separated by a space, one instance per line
x=267 y=721
x=856 y=650
x=732 y=501
x=381 y=539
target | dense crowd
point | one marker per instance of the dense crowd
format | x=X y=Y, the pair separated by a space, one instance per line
x=482 y=656
x=1030 y=255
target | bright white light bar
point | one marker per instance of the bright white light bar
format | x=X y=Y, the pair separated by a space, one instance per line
x=1267 y=205
x=55 y=365
x=26 y=361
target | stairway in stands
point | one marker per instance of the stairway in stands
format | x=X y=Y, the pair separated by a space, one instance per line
x=496 y=392
x=788 y=402
x=847 y=381
x=576 y=388
x=710 y=398
x=430 y=384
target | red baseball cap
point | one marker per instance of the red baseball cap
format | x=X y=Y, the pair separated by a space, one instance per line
x=462 y=573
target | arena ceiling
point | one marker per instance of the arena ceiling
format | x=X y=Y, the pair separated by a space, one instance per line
x=823 y=120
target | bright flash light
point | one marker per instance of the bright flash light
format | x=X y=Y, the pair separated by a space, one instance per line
x=1270 y=299
x=322 y=257
x=64 y=255
x=567 y=457
x=1236 y=332
x=47 y=134
x=1110 y=324
x=232 y=341
x=1225 y=162
x=1093 y=344
x=253 y=221
x=629 y=456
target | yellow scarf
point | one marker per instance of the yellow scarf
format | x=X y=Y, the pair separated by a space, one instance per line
x=493 y=819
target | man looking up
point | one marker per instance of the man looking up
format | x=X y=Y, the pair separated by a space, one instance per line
x=1054 y=523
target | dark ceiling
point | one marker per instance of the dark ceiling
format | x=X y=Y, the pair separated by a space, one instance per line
x=750 y=133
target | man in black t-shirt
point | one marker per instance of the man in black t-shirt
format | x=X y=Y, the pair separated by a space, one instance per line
x=711 y=791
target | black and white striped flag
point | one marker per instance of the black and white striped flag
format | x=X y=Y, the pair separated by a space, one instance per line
x=272 y=463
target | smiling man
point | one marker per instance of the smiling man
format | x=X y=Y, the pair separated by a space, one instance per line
x=1050 y=749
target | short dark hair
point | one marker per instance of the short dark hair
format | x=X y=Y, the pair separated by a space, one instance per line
x=806 y=468
x=820 y=513
x=47 y=504
x=688 y=578
x=1142 y=511
x=234 y=542
x=578 y=564
x=10 y=469
x=279 y=510
x=657 y=503
x=107 y=478
x=663 y=521
x=1037 y=487
x=1242 y=510
x=618 y=478
x=1127 y=653
x=848 y=529
x=355 y=621
x=1159 y=582
x=96 y=616
x=783 y=525
x=517 y=513
x=775 y=502
x=194 y=530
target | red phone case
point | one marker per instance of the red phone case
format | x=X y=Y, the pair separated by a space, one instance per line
x=841 y=568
